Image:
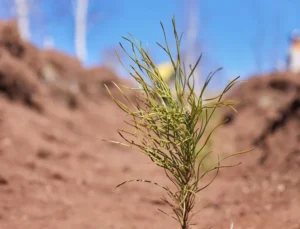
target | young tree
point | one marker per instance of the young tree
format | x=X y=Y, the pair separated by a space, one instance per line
x=168 y=128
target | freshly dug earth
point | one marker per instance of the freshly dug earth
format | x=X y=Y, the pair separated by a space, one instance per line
x=56 y=172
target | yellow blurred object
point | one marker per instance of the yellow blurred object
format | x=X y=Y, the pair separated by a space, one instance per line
x=166 y=70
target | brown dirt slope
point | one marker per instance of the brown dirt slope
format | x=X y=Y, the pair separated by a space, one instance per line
x=268 y=120
x=56 y=172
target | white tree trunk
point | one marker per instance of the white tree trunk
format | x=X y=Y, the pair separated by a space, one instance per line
x=23 y=18
x=81 y=13
x=191 y=34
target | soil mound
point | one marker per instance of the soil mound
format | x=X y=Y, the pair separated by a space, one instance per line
x=266 y=185
x=268 y=119
x=11 y=41
x=17 y=81
x=26 y=71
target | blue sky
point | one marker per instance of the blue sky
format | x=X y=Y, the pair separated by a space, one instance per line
x=241 y=36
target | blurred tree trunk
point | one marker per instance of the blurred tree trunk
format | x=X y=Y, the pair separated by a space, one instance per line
x=81 y=14
x=192 y=24
x=22 y=13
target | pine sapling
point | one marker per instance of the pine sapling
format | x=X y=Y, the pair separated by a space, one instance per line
x=168 y=128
